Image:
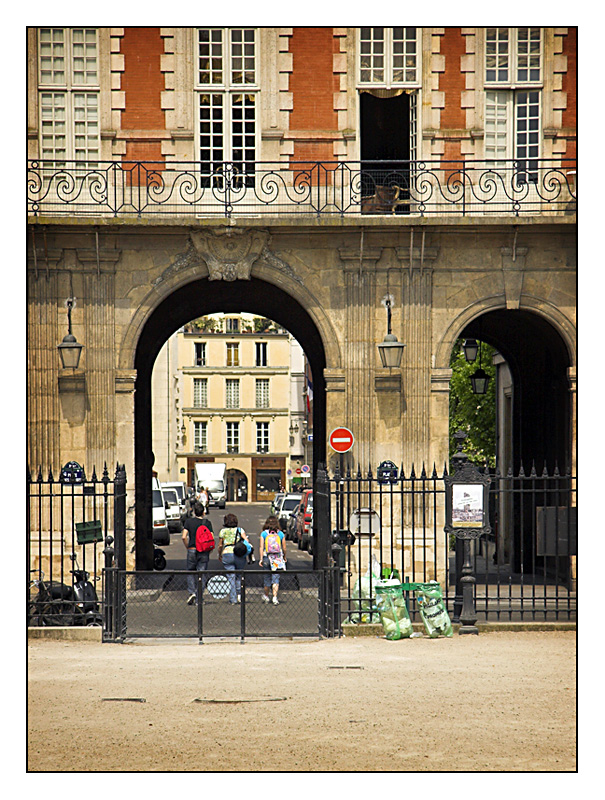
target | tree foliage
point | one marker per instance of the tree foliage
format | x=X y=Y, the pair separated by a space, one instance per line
x=473 y=413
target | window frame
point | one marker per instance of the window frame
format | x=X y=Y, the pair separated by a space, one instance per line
x=261 y=349
x=70 y=91
x=232 y=437
x=227 y=89
x=200 y=393
x=232 y=348
x=262 y=437
x=232 y=393
x=262 y=395
x=200 y=436
x=512 y=80
x=389 y=55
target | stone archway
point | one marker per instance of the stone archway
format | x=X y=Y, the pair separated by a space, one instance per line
x=194 y=299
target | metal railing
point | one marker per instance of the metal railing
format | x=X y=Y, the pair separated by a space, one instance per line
x=524 y=570
x=69 y=519
x=301 y=188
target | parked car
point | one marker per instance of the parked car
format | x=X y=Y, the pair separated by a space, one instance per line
x=304 y=520
x=288 y=503
x=276 y=502
x=173 y=510
x=160 y=533
x=182 y=492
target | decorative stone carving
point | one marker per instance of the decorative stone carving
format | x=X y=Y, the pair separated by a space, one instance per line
x=230 y=254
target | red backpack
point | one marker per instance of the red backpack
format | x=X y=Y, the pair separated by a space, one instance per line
x=204 y=539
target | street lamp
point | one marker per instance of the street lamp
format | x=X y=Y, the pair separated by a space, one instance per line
x=479 y=378
x=69 y=349
x=470 y=348
x=390 y=349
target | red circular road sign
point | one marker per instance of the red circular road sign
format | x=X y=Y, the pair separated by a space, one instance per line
x=341 y=440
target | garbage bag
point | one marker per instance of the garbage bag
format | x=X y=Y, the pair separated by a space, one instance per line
x=433 y=611
x=362 y=608
x=393 y=611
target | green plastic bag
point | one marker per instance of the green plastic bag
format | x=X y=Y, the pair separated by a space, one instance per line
x=364 y=611
x=433 y=611
x=390 y=603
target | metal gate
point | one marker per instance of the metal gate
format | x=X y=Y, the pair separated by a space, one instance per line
x=524 y=570
x=154 y=604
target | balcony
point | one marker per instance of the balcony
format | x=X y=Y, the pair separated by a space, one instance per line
x=301 y=189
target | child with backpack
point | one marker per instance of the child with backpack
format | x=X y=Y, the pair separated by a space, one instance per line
x=272 y=557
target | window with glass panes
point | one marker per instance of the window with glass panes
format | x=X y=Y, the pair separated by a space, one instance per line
x=200 y=354
x=232 y=355
x=262 y=392
x=262 y=437
x=389 y=56
x=261 y=354
x=68 y=89
x=231 y=393
x=227 y=89
x=513 y=87
x=200 y=392
x=233 y=437
x=200 y=437
x=232 y=325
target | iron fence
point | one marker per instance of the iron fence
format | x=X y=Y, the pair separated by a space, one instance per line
x=299 y=188
x=158 y=605
x=71 y=522
x=524 y=570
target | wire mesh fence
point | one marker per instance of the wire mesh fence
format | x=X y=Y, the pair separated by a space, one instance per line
x=223 y=604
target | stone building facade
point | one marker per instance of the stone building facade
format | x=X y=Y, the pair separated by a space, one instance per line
x=179 y=171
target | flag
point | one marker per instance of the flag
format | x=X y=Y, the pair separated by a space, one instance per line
x=309 y=394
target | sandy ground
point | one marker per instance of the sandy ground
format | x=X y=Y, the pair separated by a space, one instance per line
x=496 y=702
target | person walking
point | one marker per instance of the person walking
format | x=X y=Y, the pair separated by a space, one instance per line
x=272 y=557
x=230 y=536
x=205 y=499
x=196 y=561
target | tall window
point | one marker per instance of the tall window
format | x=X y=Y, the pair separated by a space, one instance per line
x=232 y=355
x=200 y=437
x=262 y=437
x=200 y=354
x=226 y=83
x=232 y=325
x=68 y=83
x=231 y=393
x=200 y=392
x=513 y=84
x=233 y=437
x=262 y=392
x=261 y=354
x=389 y=56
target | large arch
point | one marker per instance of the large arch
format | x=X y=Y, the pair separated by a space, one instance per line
x=191 y=300
x=538 y=344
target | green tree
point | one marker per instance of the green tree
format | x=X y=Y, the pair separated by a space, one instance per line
x=472 y=413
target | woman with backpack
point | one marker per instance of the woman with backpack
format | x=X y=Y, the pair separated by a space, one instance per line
x=272 y=556
x=233 y=549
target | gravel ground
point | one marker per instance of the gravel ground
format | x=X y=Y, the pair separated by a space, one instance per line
x=501 y=701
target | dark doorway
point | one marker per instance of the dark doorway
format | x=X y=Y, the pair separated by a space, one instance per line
x=194 y=300
x=385 y=138
x=237 y=486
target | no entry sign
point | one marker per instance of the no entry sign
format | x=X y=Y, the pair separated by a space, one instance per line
x=341 y=440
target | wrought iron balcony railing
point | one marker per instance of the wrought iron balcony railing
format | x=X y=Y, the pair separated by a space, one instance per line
x=317 y=189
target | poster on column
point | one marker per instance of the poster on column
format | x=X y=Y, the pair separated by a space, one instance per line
x=467 y=505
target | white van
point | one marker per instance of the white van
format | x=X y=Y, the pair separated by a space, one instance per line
x=173 y=509
x=181 y=491
x=212 y=475
x=161 y=534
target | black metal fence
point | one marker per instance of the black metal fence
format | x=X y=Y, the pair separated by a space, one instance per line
x=71 y=522
x=524 y=570
x=158 y=605
x=319 y=189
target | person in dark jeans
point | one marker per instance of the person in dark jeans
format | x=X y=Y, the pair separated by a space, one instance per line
x=195 y=561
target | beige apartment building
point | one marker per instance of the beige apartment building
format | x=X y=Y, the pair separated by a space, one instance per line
x=230 y=388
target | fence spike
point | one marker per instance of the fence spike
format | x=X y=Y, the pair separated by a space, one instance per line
x=544 y=471
x=358 y=471
x=445 y=472
x=533 y=473
x=413 y=472
x=94 y=474
x=83 y=473
x=50 y=476
x=556 y=473
x=401 y=473
x=423 y=473
x=369 y=471
x=39 y=479
x=521 y=472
